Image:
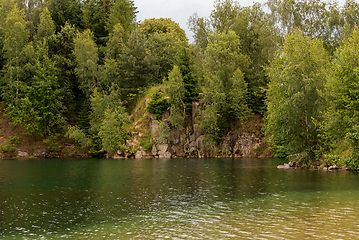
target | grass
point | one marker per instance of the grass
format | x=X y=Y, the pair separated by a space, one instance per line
x=139 y=108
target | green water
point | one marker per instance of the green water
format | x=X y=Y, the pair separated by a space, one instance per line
x=175 y=199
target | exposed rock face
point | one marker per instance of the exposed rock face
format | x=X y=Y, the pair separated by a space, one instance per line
x=190 y=142
x=22 y=154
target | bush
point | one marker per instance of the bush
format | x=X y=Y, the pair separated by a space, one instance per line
x=157 y=105
x=76 y=134
x=9 y=146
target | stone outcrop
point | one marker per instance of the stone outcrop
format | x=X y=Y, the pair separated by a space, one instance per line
x=190 y=142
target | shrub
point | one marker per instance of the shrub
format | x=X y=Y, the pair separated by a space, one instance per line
x=157 y=105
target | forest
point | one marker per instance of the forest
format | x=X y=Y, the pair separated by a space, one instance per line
x=76 y=69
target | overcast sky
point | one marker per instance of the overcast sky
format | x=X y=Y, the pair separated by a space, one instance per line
x=178 y=10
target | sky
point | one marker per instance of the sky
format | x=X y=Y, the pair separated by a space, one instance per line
x=178 y=10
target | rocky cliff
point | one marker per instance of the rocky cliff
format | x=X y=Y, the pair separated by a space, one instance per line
x=242 y=141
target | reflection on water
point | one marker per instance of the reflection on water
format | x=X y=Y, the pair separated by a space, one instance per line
x=174 y=198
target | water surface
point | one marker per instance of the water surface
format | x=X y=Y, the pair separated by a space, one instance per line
x=176 y=199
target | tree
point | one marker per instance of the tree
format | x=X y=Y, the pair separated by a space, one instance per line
x=175 y=89
x=86 y=53
x=259 y=40
x=66 y=11
x=342 y=114
x=96 y=14
x=226 y=90
x=5 y=8
x=294 y=97
x=137 y=64
x=107 y=119
x=16 y=36
x=40 y=111
x=224 y=14
x=163 y=25
x=122 y=12
x=164 y=49
x=190 y=81
x=46 y=26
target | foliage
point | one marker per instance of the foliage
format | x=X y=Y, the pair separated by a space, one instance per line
x=95 y=16
x=342 y=115
x=226 y=96
x=66 y=12
x=107 y=119
x=86 y=53
x=294 y=97
x=9 y=146
x=163 y=133
x=40 y=111
x=53 y=144
x=146 y=143
x=46 y=26
x=163 y=26
x=157 y=105
x=175 y=89
x=190 y=81
x=78 y=135
x=122 y=12
x=111 y=130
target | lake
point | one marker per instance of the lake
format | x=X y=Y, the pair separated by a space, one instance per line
x=175 y=199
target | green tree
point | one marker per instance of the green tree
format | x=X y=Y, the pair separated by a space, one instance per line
x=224 y=80
x=294 y=97
x=5 y=8
x=259 y=41
x=46 y=27
x=96 y=15
x=190 y=81
x=61 y=52
x=86 y=54
x=163 y=25
x=175 y=89
x=16 y=36
x=67 y=11
x=122 y=12
x=342 y=114
x=40 y=111
x=164 y=49
x=137 y=64
x=107 y=119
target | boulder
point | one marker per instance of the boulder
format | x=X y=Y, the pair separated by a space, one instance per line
x=286 y=165
x=139 y=154
x=331 y=168
x=116 y=156
x=165 y=155
x=162 y=148
x=154 y=150
x=22 y=154
x=40 y=154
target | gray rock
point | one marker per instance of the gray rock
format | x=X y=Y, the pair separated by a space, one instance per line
x=154 y=127
x=154 y=150
x=144 y=154
x=40 y=154
x=331 y=168
x=165 y=155
x=22 y=154
x=286 y=166
x=138 y=154
x=162 y=148
x=116 y=156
